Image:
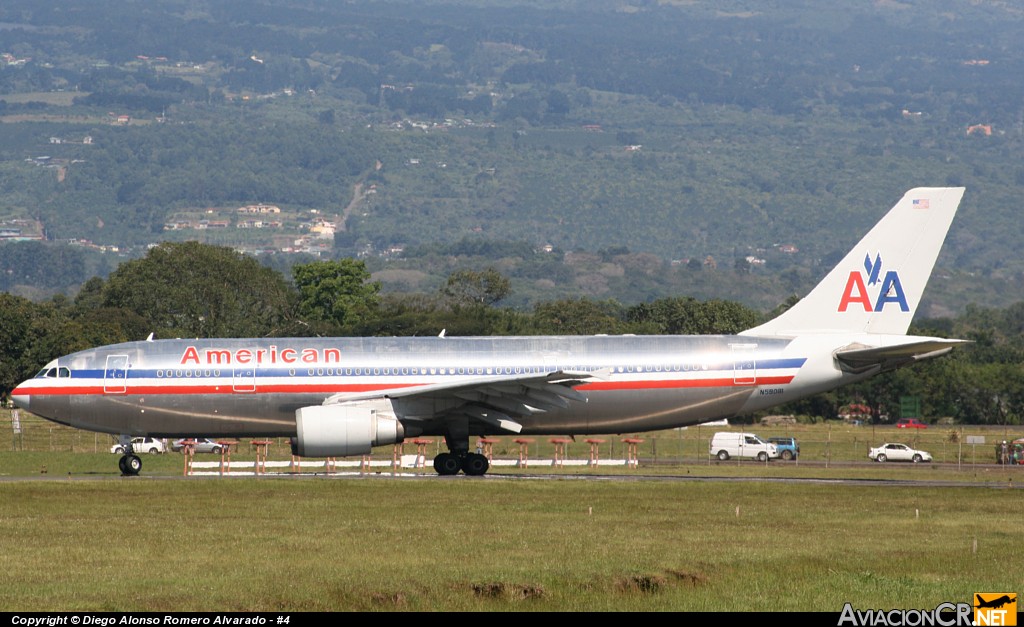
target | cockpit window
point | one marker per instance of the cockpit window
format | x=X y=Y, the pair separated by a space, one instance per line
x=53 y=373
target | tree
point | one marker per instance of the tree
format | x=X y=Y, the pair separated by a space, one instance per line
x=19 y=319
x=470 y=287
x=336 y=296
x=688 y=316
x=190 y=289
x=578 y=317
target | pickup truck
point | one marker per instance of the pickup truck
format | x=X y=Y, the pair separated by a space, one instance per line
x=788 y=448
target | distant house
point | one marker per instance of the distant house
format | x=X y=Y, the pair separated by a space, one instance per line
x=323 y=229
x=259 y=208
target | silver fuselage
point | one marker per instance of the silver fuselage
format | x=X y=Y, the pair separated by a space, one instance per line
x=249 y=387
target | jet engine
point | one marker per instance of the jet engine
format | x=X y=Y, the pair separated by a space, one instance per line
x=345 y=429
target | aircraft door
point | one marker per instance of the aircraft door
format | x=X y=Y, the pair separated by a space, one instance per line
x=115 y=375
x=744 y=366
x=243 y=378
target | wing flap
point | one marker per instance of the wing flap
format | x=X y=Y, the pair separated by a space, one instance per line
x=493 y=418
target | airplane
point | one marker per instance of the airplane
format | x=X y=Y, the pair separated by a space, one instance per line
x=337 y=397
x=995 y=603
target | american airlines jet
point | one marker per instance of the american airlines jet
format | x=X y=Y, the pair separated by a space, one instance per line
x=342 y=396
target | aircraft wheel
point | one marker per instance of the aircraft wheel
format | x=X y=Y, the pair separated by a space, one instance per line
x=447 y=464
x=881 y=459
x=723 y=456
x=132 y=465
x=122 y=464
x=475 y=464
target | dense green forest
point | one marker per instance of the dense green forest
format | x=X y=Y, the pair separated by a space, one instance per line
x=196 y=290
x=656 y=136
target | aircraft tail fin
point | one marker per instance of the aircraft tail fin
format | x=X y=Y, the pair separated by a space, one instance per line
x=877 y=287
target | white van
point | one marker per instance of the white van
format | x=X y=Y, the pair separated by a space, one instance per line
x=741 y=445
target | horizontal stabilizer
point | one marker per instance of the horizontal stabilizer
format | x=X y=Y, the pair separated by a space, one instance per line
x=859 y=359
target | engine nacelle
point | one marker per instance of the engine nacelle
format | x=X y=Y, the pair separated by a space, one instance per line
x=341 y=430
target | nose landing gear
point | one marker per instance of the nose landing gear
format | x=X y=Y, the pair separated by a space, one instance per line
x=130 y=463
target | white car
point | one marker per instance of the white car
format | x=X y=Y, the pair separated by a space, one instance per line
x=892 y=452
x=201 y=445
x=141 y=445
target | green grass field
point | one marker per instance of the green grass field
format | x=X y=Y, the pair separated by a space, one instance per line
x=381 y=543
x=537 y=539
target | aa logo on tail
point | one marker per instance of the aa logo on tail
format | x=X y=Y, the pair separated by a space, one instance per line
x=887 y=290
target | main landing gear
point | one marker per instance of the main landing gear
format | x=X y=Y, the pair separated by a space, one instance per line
x=473 y=464
x=130 y=463
x=459 y=458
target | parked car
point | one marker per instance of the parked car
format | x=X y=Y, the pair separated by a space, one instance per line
x=788 y=448
x=893 y=452
x=141 y=445
x=202 y=445
x=725 y=445
x=910 y=423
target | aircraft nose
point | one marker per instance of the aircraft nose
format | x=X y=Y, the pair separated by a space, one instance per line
x=20 y=398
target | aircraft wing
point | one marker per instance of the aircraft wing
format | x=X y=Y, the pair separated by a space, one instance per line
x=497 y=401
x=858 y=359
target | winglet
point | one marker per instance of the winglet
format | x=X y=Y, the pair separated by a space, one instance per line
x=877 y=287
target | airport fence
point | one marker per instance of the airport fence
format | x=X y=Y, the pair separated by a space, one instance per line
x=820 y=443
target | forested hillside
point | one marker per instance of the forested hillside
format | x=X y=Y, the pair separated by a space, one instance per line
x=608 y=150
